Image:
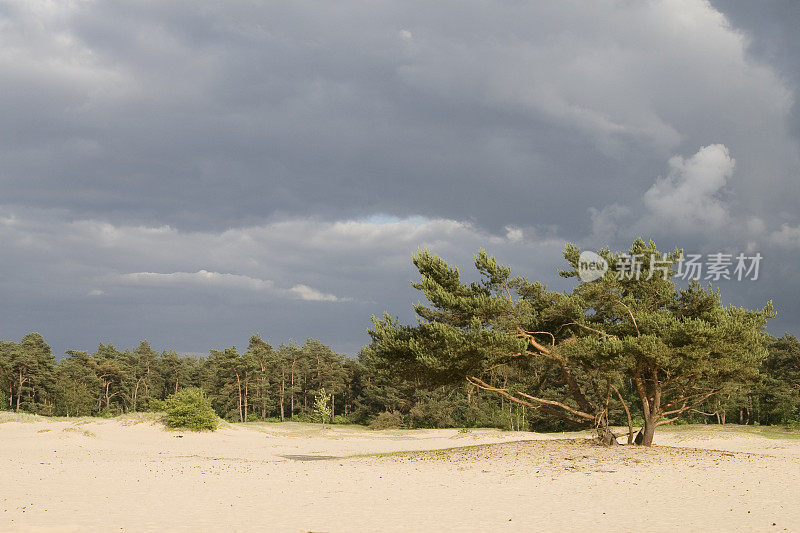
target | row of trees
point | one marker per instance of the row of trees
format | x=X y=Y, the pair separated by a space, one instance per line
x=285 y=383
x=261 y=382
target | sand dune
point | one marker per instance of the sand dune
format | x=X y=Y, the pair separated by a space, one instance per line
x=130 y=474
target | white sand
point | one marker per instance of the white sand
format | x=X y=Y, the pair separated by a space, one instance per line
x=132 y=475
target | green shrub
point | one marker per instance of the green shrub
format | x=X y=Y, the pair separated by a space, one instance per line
x=105 y=413
x=156 y=406
x=341 y=419
x=190 y=409
x=388 y=420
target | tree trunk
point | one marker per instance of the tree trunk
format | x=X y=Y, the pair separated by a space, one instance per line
x=283 y=392
x=19 y=388
x=291 y=410
x=650 y=396
x=645 y=436
x=246 y=392
x=239 y=387
x=136 y=394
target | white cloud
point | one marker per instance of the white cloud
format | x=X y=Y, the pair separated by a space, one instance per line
x=786 y=237
x=199 y=278
x=690 y=198
x=228 y=281
x=514 y=234
x=304 y=292
x=691 y=202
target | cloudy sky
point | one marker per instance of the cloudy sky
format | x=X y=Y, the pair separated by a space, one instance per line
x=193 y=172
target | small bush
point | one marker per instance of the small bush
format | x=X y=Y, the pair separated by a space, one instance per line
x=341 y=419
x=322 y=408
x=431 y=414
x=190 y=409
x=388 y=420
x=156 y=406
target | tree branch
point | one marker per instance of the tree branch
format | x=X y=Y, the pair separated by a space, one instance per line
x=529 y=337
x=485 y=386
x=627 y=412
x=685 y=407
x=633 y=318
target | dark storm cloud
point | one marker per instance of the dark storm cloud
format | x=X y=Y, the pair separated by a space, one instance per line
x=194 y=171
x=771 y=27
x=163 y=111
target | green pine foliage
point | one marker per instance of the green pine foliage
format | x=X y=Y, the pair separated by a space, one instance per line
x=568 y=354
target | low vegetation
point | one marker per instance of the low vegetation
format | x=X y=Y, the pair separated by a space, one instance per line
x=190 y=409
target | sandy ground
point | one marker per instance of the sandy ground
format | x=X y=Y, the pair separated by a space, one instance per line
x=130 y=474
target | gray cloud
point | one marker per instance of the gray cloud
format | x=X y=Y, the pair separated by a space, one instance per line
x=286 y=279
x=190 y=171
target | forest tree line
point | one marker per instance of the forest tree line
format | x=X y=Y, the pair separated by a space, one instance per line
x=260 y=383
x=281 y=383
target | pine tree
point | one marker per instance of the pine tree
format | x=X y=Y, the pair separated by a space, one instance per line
x=578 y=348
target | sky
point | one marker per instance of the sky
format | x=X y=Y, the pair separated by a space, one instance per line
x=192 y=172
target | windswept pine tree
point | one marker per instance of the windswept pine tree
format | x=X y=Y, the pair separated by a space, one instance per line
x=576 y=350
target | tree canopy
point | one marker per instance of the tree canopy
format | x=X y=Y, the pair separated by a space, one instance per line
x=574 y=350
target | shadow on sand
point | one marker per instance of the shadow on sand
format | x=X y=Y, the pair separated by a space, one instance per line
x=310 y=457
